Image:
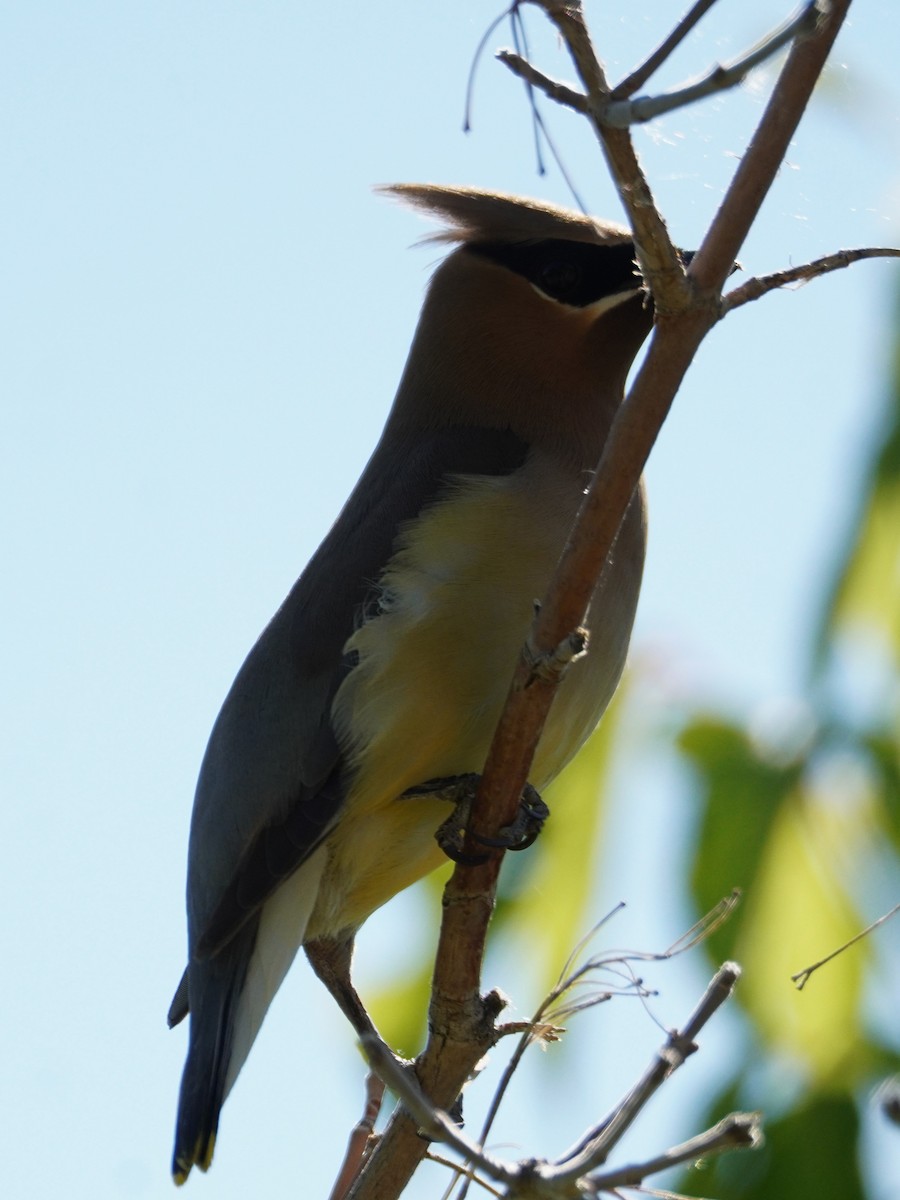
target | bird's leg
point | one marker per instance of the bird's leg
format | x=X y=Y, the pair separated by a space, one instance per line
x=459 y=790
x=330 y=959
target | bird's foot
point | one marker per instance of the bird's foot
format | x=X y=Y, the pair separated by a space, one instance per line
x=459 y=790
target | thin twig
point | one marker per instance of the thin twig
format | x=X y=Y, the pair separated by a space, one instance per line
x=802 y=977
x=572 y=976
x=622 y=113
x=538 y=1178
x=358 y=1141
x=707 y=925
x=460 y=1171
x=592 y=1150
x=753 y=178
x=520 y=41
x=752 y=289
x=664 y=50
x=432 y=1121
x=560 y=93
x=659 y=261
x=476 y=57
x=736 y=1131
x=461 y=1021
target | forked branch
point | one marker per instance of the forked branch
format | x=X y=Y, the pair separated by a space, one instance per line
x=461 y=1022
x=576 y=1172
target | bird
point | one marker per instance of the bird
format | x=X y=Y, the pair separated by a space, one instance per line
x=382 y=675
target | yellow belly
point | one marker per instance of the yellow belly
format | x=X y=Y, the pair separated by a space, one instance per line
x=434 y=667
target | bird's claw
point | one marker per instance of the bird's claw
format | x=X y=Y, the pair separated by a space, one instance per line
x=451 y=835
x=529 y=821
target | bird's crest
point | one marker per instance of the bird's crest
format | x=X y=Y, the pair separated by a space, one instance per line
x=472 y=215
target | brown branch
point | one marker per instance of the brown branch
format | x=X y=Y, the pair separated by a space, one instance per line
x=358 y=1142
x=535 y=1178
x=558 y=92
x=461 y=1022
x=759 y=286
x=620 y=114
x=660 y=264
x=431 y=1121
x=758 y=167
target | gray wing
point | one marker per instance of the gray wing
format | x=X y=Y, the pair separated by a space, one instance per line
x=272 y=780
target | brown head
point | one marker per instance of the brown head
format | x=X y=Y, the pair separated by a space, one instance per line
x=531 y=323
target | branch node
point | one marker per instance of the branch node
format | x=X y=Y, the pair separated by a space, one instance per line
x=550 y=667
x=552 y=89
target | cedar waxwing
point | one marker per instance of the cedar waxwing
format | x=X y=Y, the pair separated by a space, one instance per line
x=387 y=665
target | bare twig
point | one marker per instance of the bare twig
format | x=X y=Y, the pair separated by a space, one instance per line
x=359 y=1138
x=664 y=50
x=536 y=1179
x=592 y=1150
x=659 y=262
x=461 y=1021
x=431 y=1121
x=752 y=289
x=738 y=1131
x=707 y=925
x=520 y=54
x=622 y=113
x=572 y=975
x=561 y=93
x=461 y=1172
x=802 y=977
x=476 y=58
x=713 y=262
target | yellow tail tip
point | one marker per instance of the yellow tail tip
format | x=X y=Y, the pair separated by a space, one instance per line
x=201 y=1156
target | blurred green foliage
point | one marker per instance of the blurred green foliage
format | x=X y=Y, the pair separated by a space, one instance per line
x=807 y=822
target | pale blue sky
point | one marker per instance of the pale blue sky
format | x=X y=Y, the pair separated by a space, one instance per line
x=205 y=313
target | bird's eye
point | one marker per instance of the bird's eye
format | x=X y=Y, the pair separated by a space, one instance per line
x=559 y=277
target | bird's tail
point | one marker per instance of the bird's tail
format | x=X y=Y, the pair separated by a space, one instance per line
x=228 y=995
x=215 y=991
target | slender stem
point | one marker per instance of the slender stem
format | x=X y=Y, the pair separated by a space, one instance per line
x=461 y=1021
x=593 y=1149
x=736 y=1131
x=768 y=146
x=753 y=289
x=623 y=113
x=359 y=1138
x=553 y=90
x=631 y=83
x=658 y=259
x=802 y=977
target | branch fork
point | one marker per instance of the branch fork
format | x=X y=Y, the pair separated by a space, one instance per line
x=576 y=1173
x=687 y=305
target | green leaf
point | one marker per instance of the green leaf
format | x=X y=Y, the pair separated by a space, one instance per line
x=400 y=1007
x=741 y=793
x=810 y=1152
x=884 y=758
x=866 y=588
x=796 y=914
